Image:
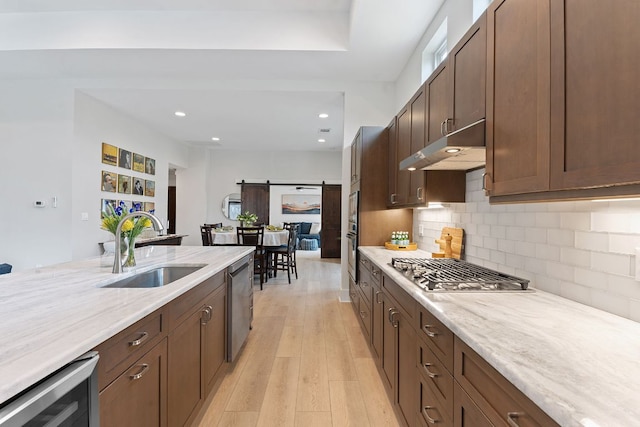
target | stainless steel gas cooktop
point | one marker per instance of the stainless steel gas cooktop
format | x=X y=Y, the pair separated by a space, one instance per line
x=448 y=274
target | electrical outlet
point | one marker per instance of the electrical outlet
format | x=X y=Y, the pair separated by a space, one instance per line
x=84 y=216
x=421 y=230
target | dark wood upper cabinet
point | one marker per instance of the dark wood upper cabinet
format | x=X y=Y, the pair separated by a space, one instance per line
x=438 y=100
x=517 y=127
x=564 y=99
x=595 y=93
x=418 y=114
x=467 y=70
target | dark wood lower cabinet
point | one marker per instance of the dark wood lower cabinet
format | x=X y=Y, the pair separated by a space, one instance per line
x=138 y=396
x=466 y=412
x=214 y=340
x=406 y=380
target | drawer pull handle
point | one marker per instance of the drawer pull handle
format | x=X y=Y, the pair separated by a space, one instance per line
x=363 y=314
x=207 y=314
x=137 y=342
x=429 y=373
x=363 y=284
x=393 y=312
x=428 y=332
x=426 y=415
x=145 y=368
x=512 y=417
x=377 y=299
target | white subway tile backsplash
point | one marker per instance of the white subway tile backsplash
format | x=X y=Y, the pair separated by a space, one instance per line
x=575 y=221
x=592 y=241
x=624 y=243
x=575 y=257
x=590 y=278
x=535 y=235
x=611 y=263
x=560 y=271
x=581 y=250
x=548 y=252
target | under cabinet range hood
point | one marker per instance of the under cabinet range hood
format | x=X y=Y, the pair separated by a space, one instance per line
x=462 y=149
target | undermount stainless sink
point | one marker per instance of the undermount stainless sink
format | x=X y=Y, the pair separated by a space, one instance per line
x=155 y=278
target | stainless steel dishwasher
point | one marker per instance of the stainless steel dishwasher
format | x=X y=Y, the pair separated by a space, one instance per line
x=239 y=304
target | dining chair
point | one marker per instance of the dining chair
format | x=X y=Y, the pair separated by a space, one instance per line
x=205 y=233
x=216 y=225
x=254 y=236
x=284 y=257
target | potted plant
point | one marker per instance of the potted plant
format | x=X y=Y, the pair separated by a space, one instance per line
x=247 y=219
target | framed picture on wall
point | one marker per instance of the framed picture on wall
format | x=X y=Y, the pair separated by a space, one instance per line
x=124 y=184
x=109 y=154
x=137 y=206
x=126 y=205
x=308 y=204
x=138 y=186
x=138 y=162
x=149 y=166
x=124 y=159
x=149 y=188
x=105 y=203
x=109 y=181
x=149 y=206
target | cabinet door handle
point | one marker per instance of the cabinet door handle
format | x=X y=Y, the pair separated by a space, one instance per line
x=392 y=313
x=512 y=417
x=145 y=368
x=446 y=126
x=137 y=342
x=428 y=332
x=442 y=131
x=426 y=415
x=429 y=373
x=206 y=315
x=419 y=193
x=363 y=314
x=484 y=182
x=377 y=299
x=363 y=284
x=393 y=198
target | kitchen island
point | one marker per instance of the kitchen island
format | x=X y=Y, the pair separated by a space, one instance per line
x=51 y=315
x=578 y=364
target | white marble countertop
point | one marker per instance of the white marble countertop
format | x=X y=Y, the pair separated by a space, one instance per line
x=578 y=364
x=51 y=315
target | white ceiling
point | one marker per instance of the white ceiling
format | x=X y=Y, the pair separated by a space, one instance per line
x=149 y=58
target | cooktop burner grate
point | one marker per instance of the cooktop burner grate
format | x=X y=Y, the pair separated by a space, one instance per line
x=448 y=274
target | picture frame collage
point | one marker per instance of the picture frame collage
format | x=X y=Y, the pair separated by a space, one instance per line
x=125 y=183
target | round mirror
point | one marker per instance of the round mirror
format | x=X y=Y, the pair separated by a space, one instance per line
x=232 y=206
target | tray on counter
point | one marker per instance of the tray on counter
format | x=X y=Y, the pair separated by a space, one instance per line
x=409 y=247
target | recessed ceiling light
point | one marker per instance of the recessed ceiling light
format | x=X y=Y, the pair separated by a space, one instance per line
x=452 y=150
x=215 y=138
x=323 y=115
x=180 y=113
x=322 y=140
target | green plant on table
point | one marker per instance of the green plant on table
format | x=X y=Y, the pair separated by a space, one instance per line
x=247 y=218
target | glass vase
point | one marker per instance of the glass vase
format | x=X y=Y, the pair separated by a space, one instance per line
x=131 y=256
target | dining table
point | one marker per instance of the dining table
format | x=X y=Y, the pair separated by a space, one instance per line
x=230 y=237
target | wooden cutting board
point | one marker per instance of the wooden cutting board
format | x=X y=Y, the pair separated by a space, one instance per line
x=456 y=242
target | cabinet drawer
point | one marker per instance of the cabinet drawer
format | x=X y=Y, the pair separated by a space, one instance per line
x=466 y=412
x=406 y=301
x=376 y=273
x=364 y=314
x=497 y=398
x=365 y=263
x=434 y=374
x=437 y=336
x=366 y=285
x=120 y=351
x=183 y=306
x=431 y=410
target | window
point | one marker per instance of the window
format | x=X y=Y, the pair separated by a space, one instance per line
x=440 y=54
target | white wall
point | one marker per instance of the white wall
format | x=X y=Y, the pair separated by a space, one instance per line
x=35 y=164
x=95 y=123
x=584 y=251
x=213 y=174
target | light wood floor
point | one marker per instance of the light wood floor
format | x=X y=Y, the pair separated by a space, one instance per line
x=305 y=363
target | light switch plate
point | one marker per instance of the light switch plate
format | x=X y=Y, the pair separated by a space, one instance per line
x=638 y=264
x=84 y=216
